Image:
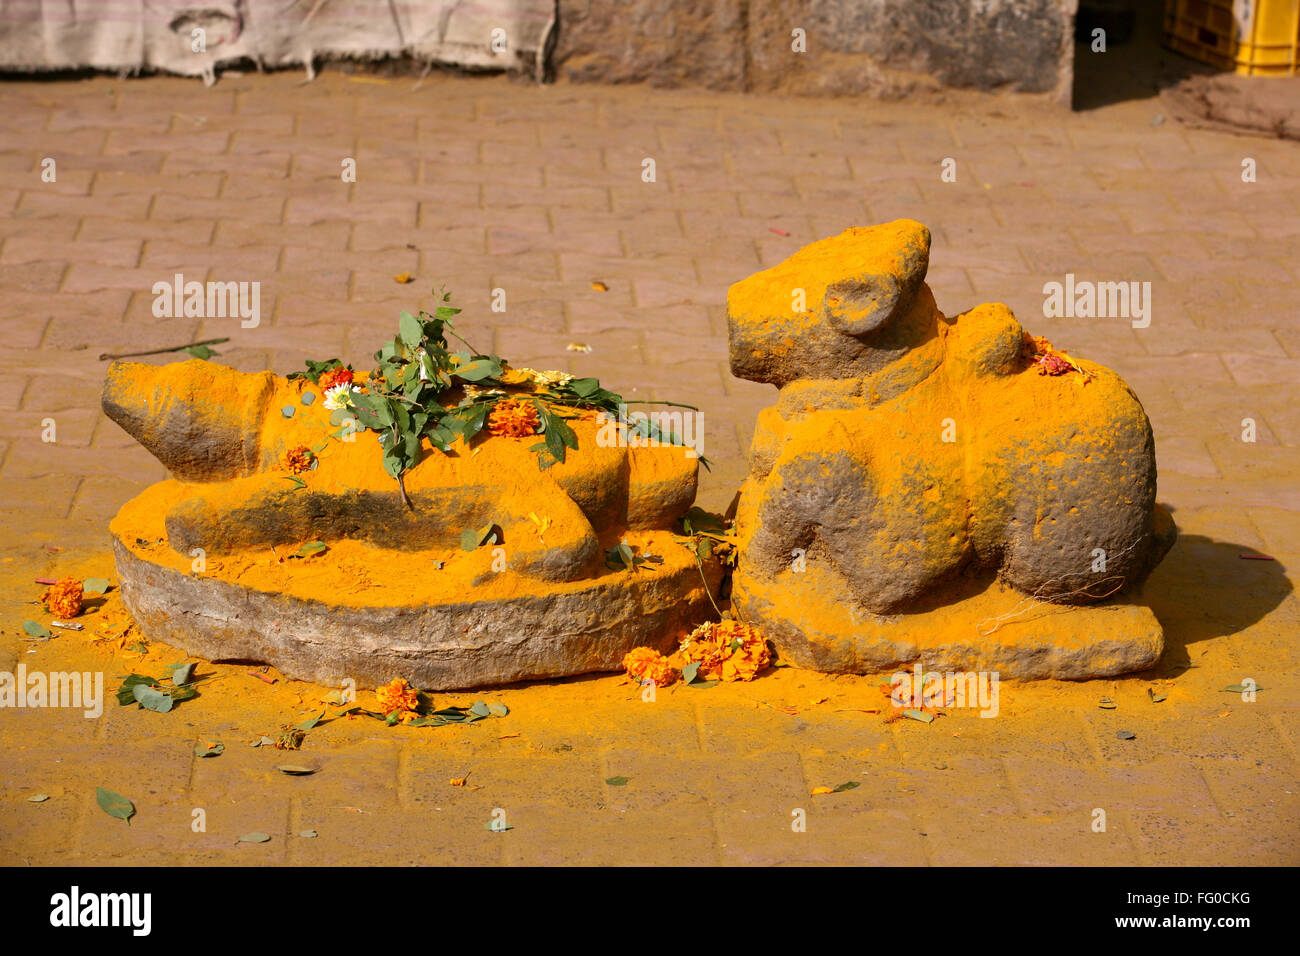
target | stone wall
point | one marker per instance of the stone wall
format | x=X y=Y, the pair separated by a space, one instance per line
x=880 y=47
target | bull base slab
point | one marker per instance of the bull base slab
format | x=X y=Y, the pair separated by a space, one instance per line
x=985 y=627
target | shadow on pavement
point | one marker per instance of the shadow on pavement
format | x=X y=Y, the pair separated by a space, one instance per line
x=1204 y=589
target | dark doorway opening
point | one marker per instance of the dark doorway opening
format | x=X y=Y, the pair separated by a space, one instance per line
x=1134 y=65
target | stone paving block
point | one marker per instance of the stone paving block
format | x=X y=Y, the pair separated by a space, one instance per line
x=1198 y=736
x=36 y=277
x=669 y=722
x=1264 y=789
x=1073 y=791
x=165 y=830
x=38 y=834
x=71 y=427
x=98 y=499
x=518 y=791
x=1166 y=839
x=54 y=494
x=1279 y=528
x=831 y=837
x=984 y=839
x=361 y=774
x=563 y=836
x=443 y=837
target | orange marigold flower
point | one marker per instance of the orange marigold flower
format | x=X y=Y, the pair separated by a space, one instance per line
x=335 y=376
x=398 y=695
x=726 y=650
x=513 y=417
x=63 y=598
x=299 y=459
x=646 y=665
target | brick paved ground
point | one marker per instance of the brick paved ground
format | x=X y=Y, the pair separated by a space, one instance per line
x=485 y=183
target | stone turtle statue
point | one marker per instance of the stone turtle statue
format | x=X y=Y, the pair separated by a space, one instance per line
x=925 y=484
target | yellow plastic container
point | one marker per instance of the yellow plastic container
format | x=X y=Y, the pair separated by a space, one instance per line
x=1252 y=37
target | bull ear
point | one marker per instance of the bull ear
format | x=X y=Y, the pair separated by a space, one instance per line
x=862 y=304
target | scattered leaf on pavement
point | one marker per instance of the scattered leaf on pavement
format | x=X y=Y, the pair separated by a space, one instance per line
x=114 y=804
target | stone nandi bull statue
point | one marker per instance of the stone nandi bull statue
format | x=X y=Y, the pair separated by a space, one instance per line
x=912 y=458
x=334 y=572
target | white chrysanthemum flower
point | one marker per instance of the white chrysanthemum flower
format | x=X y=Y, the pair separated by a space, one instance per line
x=338 y=396
x=552 y=378
x=474 y=393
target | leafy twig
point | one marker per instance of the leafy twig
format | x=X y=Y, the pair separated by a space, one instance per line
x=179 y=348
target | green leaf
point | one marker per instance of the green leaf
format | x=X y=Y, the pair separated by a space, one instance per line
x=316 y=369
x=584 y=387
x=544 y=457
x=499 y=710
x=255 y=837
x=1156 y=696
x=471 y=539
x=429 y=367
x=95 y=585
x=567 y=436
x=187 y=692
x=920 y=715
x=294 y=770
x=1233 y=689
x=480 y=709
x=690 y=672
x=478 y=370
x=410 y=330
x=1125 y=735
x=308 y=834
x=847 y=785
x=38 y=798
x=496 y=826
x=311 y=722
x=151 y=699
x=37 y=630
x=125 y=693
x=616 y=781
x=1106 y=704
x=297 y=482
x=310 y=548
x=213 y=748
x=182 y=674
x=200 y=351
x=114 y=804
x=373 y=410
x=698 y=520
